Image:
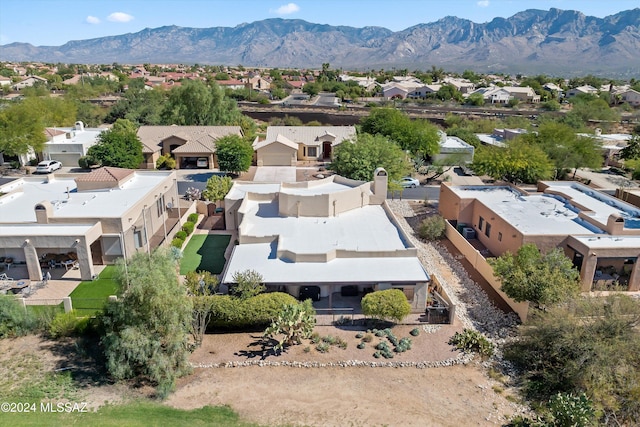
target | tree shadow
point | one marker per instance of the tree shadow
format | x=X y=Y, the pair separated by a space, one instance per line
x=261 y=348
x=82 y=357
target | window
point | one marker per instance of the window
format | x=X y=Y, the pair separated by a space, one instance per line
x=312 y=151
x=480 y=223
x=487 y=231
x=499 y=237
x=160 y=206
x=138 y=239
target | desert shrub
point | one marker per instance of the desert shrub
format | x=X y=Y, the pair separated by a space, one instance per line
x=378 y=333
x=307 y=349
x=166 y=162
x=432 y=228
x=377 y=355
x=67 y=325
x=330 y=339
x=359 y=335
x=181 y=235
x=193 y=218
x=342 y=320
x=14 y=319
x=415 y=332
x=315 y=338
x=254 y=312
x=367 y=338
x=361 y=345
x=86 y=162
x=188 y=227
x=470 y=340
x=177 y=243
x=390 y=304
x=571 y=410
x=323 y=347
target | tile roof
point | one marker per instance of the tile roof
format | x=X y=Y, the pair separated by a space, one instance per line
x=50 y=132
x=278 y=139
x=310 y=135
x=202 y=146
x=152 y=136
x=106 y=174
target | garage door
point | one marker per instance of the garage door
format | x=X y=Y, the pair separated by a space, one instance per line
x=67 y=159
x=276 y=160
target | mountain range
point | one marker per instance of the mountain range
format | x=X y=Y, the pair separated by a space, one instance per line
x=563 y=42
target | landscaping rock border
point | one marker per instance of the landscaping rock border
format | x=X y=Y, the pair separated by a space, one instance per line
x=461 y=359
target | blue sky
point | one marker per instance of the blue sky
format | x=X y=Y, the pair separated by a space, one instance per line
x=55 y=22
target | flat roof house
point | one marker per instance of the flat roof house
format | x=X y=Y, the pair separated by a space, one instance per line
x=67 y=145
x=186 y=144
x=600 y=233
x=329 y=233
x=98 y=217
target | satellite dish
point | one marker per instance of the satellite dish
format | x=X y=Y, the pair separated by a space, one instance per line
x=169 y=205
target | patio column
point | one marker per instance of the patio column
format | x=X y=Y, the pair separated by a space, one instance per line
x=588 y=270
x=84 y=259
x=33 y=262
x=634 y=278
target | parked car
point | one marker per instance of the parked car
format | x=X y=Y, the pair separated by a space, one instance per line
x=202 y=162
x=408 y=182
x=48 y=166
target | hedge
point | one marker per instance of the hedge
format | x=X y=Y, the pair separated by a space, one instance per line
x=177 y=243
x=188 y=227
x=193 y=217
x=259 y=311
x=181 y=235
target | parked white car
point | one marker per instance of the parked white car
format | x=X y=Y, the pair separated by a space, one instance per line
x=48 y=166
x=408 y=182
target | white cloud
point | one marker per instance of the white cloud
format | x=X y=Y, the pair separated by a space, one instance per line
x=120 y=17
x=286 y=9
x=483 y=3
x=92 y=20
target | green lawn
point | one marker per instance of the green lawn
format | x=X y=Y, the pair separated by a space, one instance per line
x=131 y=415
x=205 y=252
x=90 y=296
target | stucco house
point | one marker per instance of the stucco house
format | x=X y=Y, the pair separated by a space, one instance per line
x=600 y=233
x=581 y=90
x=330 y=233
x=28 y=82
x=630 y=96
x=523 y=94
x=187 y=144
x=493 y=95
x=67 y=145
x=285 y=145
x=453 y=151
x=95 y=217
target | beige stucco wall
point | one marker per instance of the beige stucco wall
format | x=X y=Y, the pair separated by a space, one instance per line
x=276 y=149
x=482 y=266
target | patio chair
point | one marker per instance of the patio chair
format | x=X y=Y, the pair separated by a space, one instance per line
x=3 y=276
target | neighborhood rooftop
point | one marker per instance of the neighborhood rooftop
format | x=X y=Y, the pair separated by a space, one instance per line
x=552 y=214
x=18 y=206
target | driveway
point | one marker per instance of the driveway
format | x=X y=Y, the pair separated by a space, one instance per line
x=275 y=174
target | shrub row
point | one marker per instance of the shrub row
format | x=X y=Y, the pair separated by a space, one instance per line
x=235 y=313
x=186 y=230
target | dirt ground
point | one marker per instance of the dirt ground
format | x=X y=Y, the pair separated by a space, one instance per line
x=351 y=396
x=278 y=395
